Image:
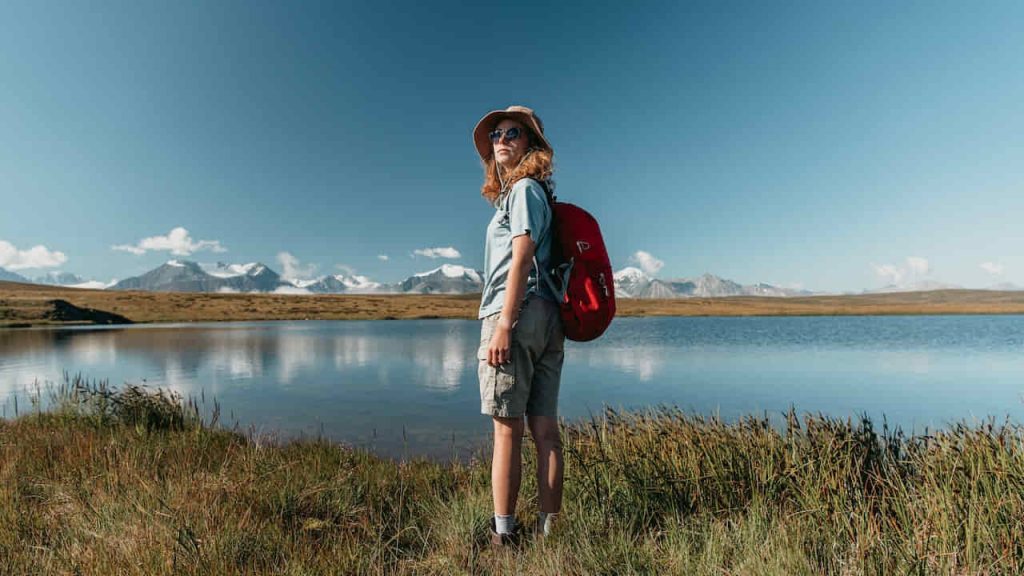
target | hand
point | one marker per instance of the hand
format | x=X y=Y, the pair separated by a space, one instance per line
x=499 y=351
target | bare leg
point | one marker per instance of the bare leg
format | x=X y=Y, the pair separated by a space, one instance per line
x=506 y=464
x=544 y=430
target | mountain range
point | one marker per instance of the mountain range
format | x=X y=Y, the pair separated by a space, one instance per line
x=630 y=282
x=188 y=276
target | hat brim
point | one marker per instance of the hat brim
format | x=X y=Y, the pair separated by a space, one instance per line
x=482 y=140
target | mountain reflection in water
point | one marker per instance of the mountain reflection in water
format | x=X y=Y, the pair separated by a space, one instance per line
x=410 y=387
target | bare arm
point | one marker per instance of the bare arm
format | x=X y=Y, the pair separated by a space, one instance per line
x=522 y=260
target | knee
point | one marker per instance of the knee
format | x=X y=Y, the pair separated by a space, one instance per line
x=548 y=439
x=508 y=428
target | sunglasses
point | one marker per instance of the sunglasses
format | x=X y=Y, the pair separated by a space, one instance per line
x=510 y=134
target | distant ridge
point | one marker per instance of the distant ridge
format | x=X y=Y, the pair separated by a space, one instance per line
x=188 y=276
x=340 y=283
x=59 y=279
x=447 y=279
x=9 y=276
x=632 y=282
x=919 y=286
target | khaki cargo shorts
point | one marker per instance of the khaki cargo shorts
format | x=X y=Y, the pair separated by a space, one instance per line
x=529 y=383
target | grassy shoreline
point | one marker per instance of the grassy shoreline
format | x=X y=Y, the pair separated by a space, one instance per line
x=123 y=482
x=23 y=305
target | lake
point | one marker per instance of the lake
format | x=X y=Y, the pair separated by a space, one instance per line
x=410 y=388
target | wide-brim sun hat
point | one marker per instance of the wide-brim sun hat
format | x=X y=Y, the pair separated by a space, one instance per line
x=522 y=114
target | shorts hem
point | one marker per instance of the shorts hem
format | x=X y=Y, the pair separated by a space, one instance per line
x=499 y=413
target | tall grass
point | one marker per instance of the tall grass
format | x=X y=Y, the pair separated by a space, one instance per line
x=134 y=481
x=131 y=405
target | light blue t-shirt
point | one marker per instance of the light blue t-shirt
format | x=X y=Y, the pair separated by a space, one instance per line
x=524 y=210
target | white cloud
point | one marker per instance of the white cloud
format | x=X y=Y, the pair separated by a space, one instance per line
x=890 y=273
x=35 y=257
x=449 y=252
x=128 y=248
x=292 y=268
x=383 y=257
x=346 y=269
x=918 y=265
x=177 y=242
x=993 y=268
x=648 y=263
x=914 y=268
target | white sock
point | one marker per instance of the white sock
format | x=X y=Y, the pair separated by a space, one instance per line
x=504 y=524
x=547 y=520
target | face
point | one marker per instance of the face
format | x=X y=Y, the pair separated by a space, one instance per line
x=508 y=153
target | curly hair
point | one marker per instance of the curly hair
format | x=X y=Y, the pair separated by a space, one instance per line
x=537 y=164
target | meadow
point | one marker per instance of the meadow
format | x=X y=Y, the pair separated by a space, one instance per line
x=34 y=305
x=137 y=481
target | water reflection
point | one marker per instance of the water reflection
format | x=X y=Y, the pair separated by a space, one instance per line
x=411 y=385
x=295 y=352
x=101 y=348
x=443 y=372
x=353 y=351
x=644 y=363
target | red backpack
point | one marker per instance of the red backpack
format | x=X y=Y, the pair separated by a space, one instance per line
x=581 y=271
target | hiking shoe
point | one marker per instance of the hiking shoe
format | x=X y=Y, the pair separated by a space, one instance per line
x=504 y=540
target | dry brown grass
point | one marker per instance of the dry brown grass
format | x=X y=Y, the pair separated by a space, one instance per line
x=109 y=484
x=931 y=302
x=29 y=304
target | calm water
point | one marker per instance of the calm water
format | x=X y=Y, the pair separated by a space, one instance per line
x=409 y=387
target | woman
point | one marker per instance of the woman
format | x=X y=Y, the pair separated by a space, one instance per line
x=521 y=341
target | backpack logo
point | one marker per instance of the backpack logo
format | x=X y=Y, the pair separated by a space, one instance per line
x=603 y=283
x=582 y=245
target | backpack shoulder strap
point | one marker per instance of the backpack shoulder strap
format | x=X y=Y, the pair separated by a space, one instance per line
x=546 y=185
x=561 y=273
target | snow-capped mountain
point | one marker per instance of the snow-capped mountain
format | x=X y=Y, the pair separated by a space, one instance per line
x=9 y=276
x=222 y=270
x=59 y=279
x=187 y=276
x=341 y=283
x=447 y=279
x=629 y=282
x=632 y=282
x=711 y=286
x=55 y=278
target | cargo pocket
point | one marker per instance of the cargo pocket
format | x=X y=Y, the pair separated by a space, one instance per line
x=497 y=384
x=494 y=382
x=504 y=378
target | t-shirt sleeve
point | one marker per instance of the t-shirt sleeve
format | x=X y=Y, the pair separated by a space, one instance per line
x=528 y=209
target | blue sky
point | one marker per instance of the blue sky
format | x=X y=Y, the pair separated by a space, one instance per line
x=834 y=146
